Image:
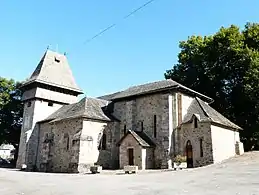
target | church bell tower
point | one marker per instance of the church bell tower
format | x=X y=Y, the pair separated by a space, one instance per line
x=51 y=86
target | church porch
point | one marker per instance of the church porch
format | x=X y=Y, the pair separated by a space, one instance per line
x=135 y=148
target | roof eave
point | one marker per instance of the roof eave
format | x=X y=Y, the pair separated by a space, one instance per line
x=226 y=126
x=208 y=99
x=177 y=87
x=26 y=83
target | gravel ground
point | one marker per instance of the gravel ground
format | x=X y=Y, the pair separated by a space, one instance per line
x=238 y=175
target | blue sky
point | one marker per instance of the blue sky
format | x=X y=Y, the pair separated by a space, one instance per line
x=136 y=51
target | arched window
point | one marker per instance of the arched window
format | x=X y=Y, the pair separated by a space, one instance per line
x=104 y=142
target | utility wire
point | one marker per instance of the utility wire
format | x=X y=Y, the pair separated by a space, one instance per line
x=113 y=25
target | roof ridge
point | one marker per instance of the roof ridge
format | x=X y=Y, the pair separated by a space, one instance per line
x=206 y=114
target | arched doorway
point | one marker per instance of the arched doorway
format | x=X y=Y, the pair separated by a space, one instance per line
x=189 y=154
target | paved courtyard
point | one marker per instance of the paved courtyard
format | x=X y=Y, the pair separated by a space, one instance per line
x=235 y=176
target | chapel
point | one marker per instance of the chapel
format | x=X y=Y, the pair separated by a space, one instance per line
x=145 y=125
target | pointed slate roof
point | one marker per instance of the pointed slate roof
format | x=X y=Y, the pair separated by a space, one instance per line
x=140 y=137
x=90 y=108
x=204 y=112
x=54 y=70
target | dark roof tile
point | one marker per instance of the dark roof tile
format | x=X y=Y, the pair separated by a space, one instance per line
x=207 y=113
x=140 y=137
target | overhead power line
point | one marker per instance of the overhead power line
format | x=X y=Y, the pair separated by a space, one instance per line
x=113 y=25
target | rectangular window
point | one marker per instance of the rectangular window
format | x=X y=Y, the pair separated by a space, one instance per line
x=50 y=104
x=154 y=125
x=29 y=104
x=201 y=148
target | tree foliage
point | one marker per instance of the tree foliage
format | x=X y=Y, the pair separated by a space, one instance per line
x=10 y=112
x=225 y=66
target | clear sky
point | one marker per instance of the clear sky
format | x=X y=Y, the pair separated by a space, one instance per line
x=136 y=51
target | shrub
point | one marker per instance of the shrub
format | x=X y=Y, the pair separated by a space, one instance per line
x=179 y=159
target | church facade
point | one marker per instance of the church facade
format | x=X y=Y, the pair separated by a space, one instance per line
x=145 y=125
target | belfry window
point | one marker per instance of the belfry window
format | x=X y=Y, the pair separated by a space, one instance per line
x=57 y=60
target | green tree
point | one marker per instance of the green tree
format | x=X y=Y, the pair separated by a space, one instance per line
x=225 y=66
x=11 y=109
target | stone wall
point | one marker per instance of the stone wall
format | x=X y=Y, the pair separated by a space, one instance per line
x=203 y=131
x=133 y=112
x=58 y=150
x=223 y=141
x=74 y=145
x=130 y=142
x=34 y=111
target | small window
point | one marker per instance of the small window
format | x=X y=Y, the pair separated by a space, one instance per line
x=50 y=104
x=142 y=126
x=195 y=122
x=74 y=142
x=201 y=148
x=104 y=142
x=57 y=60
x=66 y=138
x=125 y=129
x=29 y=104
x=67 y=143
x=154 y=125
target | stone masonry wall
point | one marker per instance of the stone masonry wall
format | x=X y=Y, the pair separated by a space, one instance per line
x=59 y=153
x=38 y=110
x=130 y=142
x=203 y=131
x=142 y=109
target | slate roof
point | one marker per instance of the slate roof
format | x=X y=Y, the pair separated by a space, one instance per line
x=54 y=70
x=152 y=88
x=90 y=108
x=204 y=112
x=140 y=137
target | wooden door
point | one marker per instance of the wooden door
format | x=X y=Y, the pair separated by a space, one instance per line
x=131 y=156
x=189 y=154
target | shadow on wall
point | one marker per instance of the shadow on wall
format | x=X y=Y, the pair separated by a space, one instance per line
x=108 y=156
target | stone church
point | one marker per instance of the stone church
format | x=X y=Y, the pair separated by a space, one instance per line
x=145 y=125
